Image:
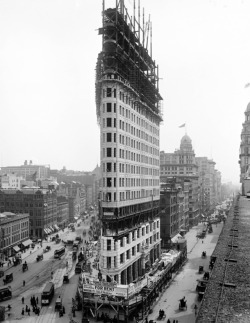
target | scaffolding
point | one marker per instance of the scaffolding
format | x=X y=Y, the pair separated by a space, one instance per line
x=125 y=56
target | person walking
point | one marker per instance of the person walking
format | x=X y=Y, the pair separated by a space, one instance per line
x=195 y=309
x=23 y=283
x=22 y=300
x=22 y=311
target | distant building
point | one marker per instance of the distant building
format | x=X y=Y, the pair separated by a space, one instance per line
x=28 y=171
x=14 y=231
x=40 y=204
x=182 y=165
x=11 y=180
x=244 y=157
x=62 y=212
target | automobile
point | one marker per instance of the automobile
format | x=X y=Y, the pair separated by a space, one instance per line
x=39 y=257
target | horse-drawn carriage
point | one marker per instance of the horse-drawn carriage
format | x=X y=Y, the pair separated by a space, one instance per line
x=206 y=275
x=39 y=257
x=25 y=267
x=200 y=288
x=8 y=278
x=66 y=278
x=17 y=261
x=201 y=269
x=74 y=255
x=182 y=304
x=204 y=254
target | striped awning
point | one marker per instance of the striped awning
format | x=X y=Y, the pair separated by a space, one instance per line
x=26 y=243
x=45 y=230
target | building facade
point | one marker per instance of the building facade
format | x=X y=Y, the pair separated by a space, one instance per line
x=128 y=111
x=12 y=180
x=244 y=156
x=182 y=165
x=14 y=230
x=40 y=204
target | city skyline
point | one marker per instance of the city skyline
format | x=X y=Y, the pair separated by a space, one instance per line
x=48 y=57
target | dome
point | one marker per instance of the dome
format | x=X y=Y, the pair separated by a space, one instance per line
x=186 y=139
x=248 y=107
x=186 y=143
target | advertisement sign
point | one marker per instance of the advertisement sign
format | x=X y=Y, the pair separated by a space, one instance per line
x=106 y=288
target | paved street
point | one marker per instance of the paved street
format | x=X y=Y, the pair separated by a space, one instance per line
x=184 y=283
x=38 y=275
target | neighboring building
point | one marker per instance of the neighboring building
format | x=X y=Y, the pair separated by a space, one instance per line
x=171 y=213
x=14 y=233
x=181 y=165
x=28 y=171
x=244 y=156
x=129 y=114
x=11 y=180
x=40 y=204
x=76 y=197
x=62 y=212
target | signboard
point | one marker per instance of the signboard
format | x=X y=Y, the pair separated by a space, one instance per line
x=105 y=288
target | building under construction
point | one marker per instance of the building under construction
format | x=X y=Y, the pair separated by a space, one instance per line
x=128 y=107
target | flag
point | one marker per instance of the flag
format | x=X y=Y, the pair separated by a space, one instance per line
x=183 y=125
x=247 y=85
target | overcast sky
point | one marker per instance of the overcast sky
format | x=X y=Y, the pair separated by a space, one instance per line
x=48 y=53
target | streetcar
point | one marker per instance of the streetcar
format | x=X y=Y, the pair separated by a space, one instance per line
x=59 y=252
x=47 y=293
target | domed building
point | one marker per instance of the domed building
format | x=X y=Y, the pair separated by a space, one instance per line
x=182 y=168
x=244 y=156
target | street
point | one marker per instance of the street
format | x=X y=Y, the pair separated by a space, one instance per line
x=184 y=283
x=38 y=274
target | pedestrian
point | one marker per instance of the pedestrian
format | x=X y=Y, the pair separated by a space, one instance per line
x=63 y=310
x=22 y=300
x=173 y=321
x=22 y=311
x=28 y=311
x=168 y=321
x=195 y=309
x=26 y=308
x=23 y=283
x=37 y=300
x=202 y=241
x=38 y=310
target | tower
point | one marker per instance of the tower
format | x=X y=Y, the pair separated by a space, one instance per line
x=129 y=115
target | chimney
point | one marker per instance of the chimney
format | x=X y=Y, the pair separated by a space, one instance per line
x=30 y=162
x=25 y=163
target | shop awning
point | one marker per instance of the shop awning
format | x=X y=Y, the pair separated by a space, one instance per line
x=45 y=230
x=57 y=227
x=176 y=238
x=26 y=243
x=16 y=248
x=51 y=228
x=48 y=230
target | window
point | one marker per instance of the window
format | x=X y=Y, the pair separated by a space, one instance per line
x=128 y=254
x=109 y=107
x=122 y=258
x=109 y=152
x=109 y=122
x=108 y=244
x=109 y=92
x=133 y=251
x=109 y=137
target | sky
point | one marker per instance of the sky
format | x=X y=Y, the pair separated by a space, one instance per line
x=48 y=54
